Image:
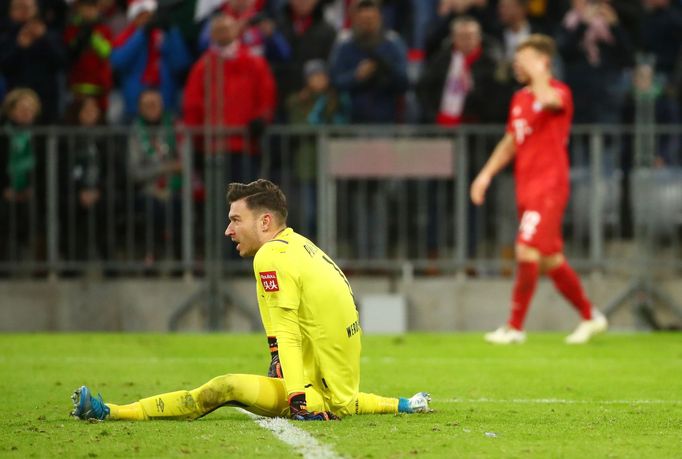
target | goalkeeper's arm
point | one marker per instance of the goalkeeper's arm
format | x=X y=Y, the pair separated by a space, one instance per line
x=275 y=369
x=288 y=332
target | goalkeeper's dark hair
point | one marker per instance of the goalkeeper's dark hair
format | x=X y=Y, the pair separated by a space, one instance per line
x=259 y=195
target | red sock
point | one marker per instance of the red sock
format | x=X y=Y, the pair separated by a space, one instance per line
x=568 y=283
x=526 y=280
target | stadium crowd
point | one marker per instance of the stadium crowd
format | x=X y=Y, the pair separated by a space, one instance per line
x=331 y=61
x=156 y=64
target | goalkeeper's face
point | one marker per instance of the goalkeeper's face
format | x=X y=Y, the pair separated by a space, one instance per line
x=243 y=228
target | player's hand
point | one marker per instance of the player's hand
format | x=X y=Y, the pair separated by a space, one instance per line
x=275 y=370
x=478 y=189
x=299 y=411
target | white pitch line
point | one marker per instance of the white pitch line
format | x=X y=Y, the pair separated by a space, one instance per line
x=559 y=401
x=299 y=439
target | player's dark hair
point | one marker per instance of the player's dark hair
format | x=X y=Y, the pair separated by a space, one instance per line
x=541 y=43
x=259 y=195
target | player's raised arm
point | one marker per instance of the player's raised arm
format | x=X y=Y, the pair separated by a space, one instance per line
x=502 y=155
x=548 y=96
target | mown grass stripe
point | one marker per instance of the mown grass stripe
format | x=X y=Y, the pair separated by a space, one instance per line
x=559 y=401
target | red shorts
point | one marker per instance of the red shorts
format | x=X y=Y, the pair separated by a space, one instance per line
x=540 y=225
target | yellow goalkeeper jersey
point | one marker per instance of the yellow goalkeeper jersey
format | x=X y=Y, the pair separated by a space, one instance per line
x=306 y=301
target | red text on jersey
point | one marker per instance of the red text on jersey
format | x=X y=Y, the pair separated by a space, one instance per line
x=269 y=281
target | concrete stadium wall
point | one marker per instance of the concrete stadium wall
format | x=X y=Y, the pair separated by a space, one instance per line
x=441 y=304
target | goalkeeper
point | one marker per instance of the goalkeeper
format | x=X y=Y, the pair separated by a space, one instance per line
x=309 y=315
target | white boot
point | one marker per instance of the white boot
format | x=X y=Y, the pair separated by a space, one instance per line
x=506 y=335
x=588 y=328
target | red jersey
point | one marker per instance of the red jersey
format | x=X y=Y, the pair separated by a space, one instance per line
x=541 y=140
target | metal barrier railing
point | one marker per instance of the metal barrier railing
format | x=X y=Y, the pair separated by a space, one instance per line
x=376 y=197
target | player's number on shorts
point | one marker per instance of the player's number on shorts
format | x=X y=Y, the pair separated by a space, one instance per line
x=529 y=224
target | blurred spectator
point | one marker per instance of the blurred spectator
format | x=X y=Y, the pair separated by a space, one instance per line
x=230 y=87
x=514 y=26
x=149 y=53
x=370 y=63
x=20 y=110
x=88 y=41
x=31 y=55
x=661 y=34
x=53 y=12
x=82 y=164
x=545 y=15
x=154 y=165
x=439 y=29
x=317 y=104
x=309 y=37
x=459 y=82
x=595 y=49
x=424 y=12
x=651 y=101
x=257 y=30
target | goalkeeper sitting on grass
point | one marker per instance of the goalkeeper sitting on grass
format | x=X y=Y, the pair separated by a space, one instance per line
x=311 y=321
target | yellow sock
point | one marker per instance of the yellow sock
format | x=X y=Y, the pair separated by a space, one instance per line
x=131 y=412
x=375 y=404
x=258 y=394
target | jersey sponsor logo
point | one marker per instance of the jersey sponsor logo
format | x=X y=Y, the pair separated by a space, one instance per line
x=269 y=281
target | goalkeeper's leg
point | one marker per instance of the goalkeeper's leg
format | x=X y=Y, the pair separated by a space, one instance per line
x=258 y=394
x=376 y=404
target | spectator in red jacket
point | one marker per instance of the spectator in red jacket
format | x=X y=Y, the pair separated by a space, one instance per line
x=89 y=46
x=240 y=92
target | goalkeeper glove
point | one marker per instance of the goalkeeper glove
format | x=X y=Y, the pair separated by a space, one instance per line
x=275 y=370
x=299 y=411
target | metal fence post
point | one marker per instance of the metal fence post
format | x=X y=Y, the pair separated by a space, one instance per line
x=187 y=204
x=597 y=188
x=461 y=201
x=52 y=203
x=326 y=201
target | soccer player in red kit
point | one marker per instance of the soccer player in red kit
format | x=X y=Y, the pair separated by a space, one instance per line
x=537 y=138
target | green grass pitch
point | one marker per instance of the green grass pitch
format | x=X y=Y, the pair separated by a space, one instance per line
x=620 y=396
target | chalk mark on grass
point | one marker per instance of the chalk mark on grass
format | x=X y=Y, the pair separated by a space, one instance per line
x=299 y=439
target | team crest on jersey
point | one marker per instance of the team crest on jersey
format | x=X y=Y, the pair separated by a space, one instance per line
x=269 y=281
x=537 y=106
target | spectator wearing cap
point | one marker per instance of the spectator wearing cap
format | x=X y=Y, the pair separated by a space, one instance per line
x=309 y=36
x=317 y=104
x=88 y=42
x=370 y=64
x=32 y=55
x=460 y=81
x=149 y=53
x=230 y=87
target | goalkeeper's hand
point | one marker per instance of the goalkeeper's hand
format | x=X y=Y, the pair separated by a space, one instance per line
x=275 y=370
x=299 y=411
